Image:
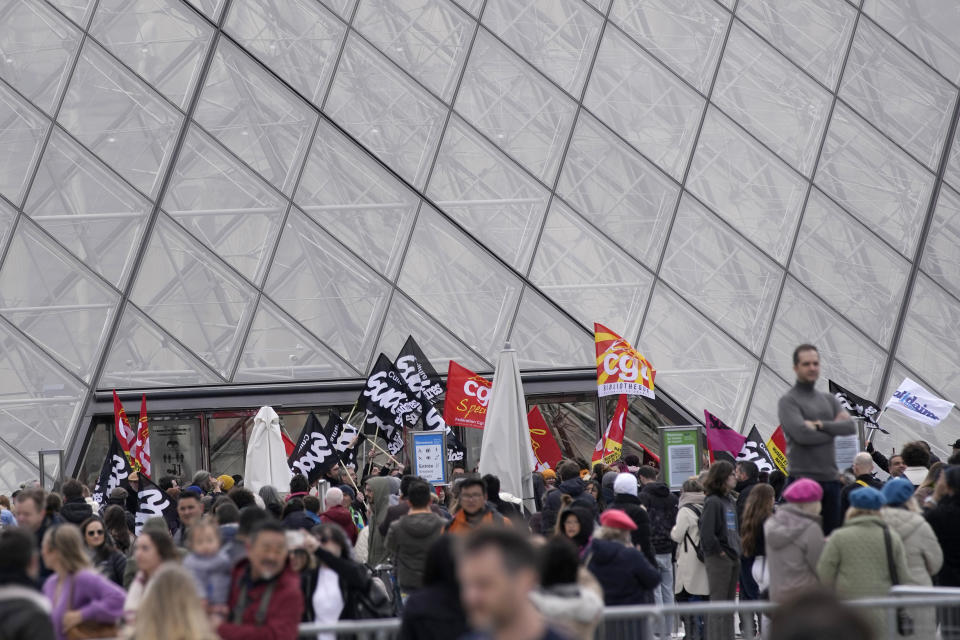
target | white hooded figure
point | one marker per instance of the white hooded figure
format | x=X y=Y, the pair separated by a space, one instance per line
x=266 y=455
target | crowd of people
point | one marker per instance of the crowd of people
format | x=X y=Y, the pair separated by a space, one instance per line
x=467 y=560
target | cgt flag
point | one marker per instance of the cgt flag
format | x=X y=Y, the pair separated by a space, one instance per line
x=777 y=448
x=620 y=368
x=125 y=435
x=545 y=446
x=313 y=455
x=155 y=503
x=467 y=397
x=424 y=382
x=610 y=446
x=721 y=439
x=755 y=451
x=915 y=402
x=141 y=446
x=116 y=467
x=856 y=406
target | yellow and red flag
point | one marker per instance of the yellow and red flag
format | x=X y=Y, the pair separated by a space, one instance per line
x=620 y=368
x=141 y=446
x=610 y=446
x=126 y=436
x=777 y=447
x=545 y=446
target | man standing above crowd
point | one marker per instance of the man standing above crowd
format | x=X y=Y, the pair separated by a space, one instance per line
x=811 y=420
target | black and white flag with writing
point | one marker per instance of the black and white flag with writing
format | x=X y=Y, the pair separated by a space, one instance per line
x=425 y=383
x=755 y=451
x=313 y=456
x=389 y=406
x=116 y=467
x=345 y=439
x=857 y=407
x=155 y=503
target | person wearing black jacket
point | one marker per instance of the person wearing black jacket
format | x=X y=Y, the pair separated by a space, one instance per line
x=944 y=519
x=24 y=611
x=75 y=509
x=748 y=476
x=625 y=498
x=330 y=545
x=863 y=470
x=720 y=542
x=571 y=485
x=622 y=571
x=662 y=508
x=109 y=562
x=434 y=612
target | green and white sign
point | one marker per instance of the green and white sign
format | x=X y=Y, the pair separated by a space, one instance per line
x=681 y=447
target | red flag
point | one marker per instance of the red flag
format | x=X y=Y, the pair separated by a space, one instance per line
x=777 y=447
x=288 y=444
x=721 y=438
x=125 y=435
x=467 y=397
x=649 y=457
x=141 y=445
x=545 y=446
x=610 y=446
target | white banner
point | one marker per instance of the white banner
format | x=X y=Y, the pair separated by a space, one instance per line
x=914 y=401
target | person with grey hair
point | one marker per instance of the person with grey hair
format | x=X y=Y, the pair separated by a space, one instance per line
x=339 y=514
x=204 y=480
x=863 y=477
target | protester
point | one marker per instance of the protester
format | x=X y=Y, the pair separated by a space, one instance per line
x=753 y=562
x=570 y=597
x=271 y=501
x=353 y=506
x=153 y=547
x=504 y=508
x=624 y=573
x=434 y=612
x=571 y=485
x=265 y=601
x=189 y=511
x=916 y=455
x=299 y=487
x=894 y=466
x=294 y=516
x=170 y=609
x=818 y=614
x=924 y=556
x=79 y=596
x=748 y=476
x=410 y=538
x=339 y=514
x=811 y=420
x=209 y=564
x=944 y=519
x=474 y=510
x=863 y=477
x=341 y=583
x=7 y=519
x=794 y=541
x=311 y=509
x=171 y=486
x=854 y=560
x=720 y=542
x=115 y=521
x=497 y=572
x=625 y=498
x=575 y=524
x=691 y=577
x=924 y=492
x=661 y=506
x=107 y=560
x=24 y=611
x=374 y=550
x=75 y=509
x=32 y=516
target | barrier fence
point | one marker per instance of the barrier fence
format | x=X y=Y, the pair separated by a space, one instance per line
x=935 y=613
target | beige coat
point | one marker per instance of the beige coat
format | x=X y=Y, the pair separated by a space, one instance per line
x=691 y=573
x=794 y=542
x=924 y=559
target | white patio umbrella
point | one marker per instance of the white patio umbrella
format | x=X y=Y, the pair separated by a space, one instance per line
x=266 y=462
x=505 y=450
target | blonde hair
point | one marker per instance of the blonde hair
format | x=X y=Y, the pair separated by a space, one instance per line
x=854 y=512
x=66 y=540
x=172 y=589
x=615 y=535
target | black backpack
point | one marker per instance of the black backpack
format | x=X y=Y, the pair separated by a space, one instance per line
x=374 y=601
x=686 y=534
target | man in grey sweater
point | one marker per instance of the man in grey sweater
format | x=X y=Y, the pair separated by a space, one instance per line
x=811 y=420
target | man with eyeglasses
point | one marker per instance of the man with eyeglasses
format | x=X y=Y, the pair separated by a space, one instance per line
x=474 y=510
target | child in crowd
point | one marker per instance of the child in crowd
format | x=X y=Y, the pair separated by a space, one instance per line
x=210 y=566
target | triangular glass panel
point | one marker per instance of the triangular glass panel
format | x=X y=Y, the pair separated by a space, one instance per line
x=21 y=135
x=225 y=205
x=36 y=47
x=344 y=8
x=210 y=8
x=54 y=300
x=328 y=290
x=8 y=216
x=279 y=350
x=15 y=469
x=190 y=293
x=86 y=207
x=144 y=355
x=356 y=199
x=76 y=10
x=545 y=339
x=40 y=401
x=406 y=319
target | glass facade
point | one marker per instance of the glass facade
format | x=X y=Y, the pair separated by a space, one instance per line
x=217 y=192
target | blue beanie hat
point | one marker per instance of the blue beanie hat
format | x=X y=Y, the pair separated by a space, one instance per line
x=897 y=491
x=866 y=498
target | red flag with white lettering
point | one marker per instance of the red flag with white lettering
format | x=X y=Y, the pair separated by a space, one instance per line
x=126 y=436
x=610 y=446
x=141 y=445
x=467 y=396
x=545 y=446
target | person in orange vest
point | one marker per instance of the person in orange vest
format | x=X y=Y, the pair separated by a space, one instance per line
x=474 y=510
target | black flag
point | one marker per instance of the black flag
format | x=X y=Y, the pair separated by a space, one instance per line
x=345 y=439
x=754 y=450
x=856 y=406
x=389 y=406
x=313 y=456
x=155 y=503
x=116 y=467
x=423 y=381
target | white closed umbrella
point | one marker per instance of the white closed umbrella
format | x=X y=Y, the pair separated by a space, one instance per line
x=505 y=450
x=266 y=462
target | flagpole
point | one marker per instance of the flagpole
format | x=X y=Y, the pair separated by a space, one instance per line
x=873 y=428
x=384 y=452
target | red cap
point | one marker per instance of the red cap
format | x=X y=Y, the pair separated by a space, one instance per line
x=617 y=519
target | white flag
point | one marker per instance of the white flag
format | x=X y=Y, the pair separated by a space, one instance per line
x=914 y=401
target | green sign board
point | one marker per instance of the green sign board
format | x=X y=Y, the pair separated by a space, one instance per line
x=680 y=454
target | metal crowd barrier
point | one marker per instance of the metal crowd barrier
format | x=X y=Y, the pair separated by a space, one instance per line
x=648 y=621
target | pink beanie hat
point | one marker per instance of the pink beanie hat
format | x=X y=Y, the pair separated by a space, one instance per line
x=803 y=490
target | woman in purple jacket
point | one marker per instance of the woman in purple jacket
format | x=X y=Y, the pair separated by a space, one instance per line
x=78 y=593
